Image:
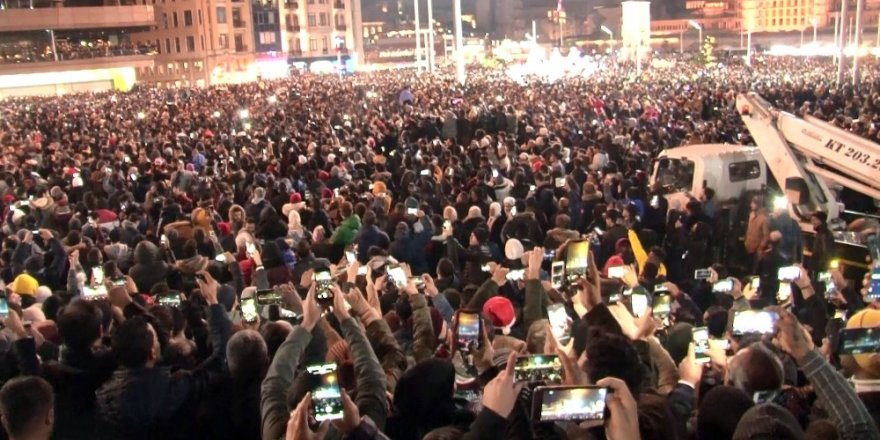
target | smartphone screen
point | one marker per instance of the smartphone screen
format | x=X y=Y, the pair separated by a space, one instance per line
x=789 y=273
x=249 y=309
x=557 y=274
x=350 y=257
x=570 y=403
x=874 y=292
x=616 y=272
x=94 y=292
x=538 y=368
x=268 y=297
x=784 y=292
x=576 y=258
x=97 y=275
x=4 y=307
x=467 y=332
x=323 y=280
x=754 y=321
x=412 y=211
x=172 y=300
x=723 y=286
x=515 y=275
x=397 y=276
x=251 y=249
x=859 y=341
x=701 y=344
x=702 y=274
x=560 y=323
x=560 y=182
x=825 y=279
x=326 y=397
x=549 y=254
x=639 y=303
x=662 y=304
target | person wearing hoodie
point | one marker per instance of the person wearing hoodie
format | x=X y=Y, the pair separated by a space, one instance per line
x=589 y=199
x=149 y=269
x=522 y=226
x=344 y=234
x=273 y=261
x=270 y=225
x=473 y=220
x=370 y=236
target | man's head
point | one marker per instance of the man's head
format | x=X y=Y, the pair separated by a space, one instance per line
x=247 y=355
x=80 y=324
x=611 y=354
x=755 y=369
x=27 y=408
x=136 y=344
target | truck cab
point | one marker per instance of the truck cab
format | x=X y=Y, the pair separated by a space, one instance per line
x=730 y=170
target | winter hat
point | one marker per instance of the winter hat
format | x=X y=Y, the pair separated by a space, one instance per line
x=720 y=411
x=500 y=311
x=768 y=421
x=295 y=197
x=24 y=284
x=513 y=249
x=866 y=318
x=678 y=341
x=378 y=187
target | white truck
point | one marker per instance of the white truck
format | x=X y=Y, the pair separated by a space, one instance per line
x=807 y=158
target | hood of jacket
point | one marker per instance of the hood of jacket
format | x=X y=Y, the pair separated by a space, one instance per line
x=560 y=234
x=146 y=253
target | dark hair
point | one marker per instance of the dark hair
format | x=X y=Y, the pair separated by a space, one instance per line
x=445 y=268
x=610 y=354
x=274 y=334
x=80 y=324
x=23 y=402
x=133 y=342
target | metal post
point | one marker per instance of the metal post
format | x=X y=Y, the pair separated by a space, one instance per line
x=849 y=30
x=535 y=32
x=54 y=50
x=749 y=49
x=431 y=36
x=459 y=43
x=841 y=55
x=418 y=36
x=836 y=38
x=681 y=41
x=559 y=17
x=857 y=40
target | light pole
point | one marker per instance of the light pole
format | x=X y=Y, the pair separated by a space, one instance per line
x=698 y=27
x=610 y=35
x=418 y=36
x=431 y=36
x=815 y=22
x=459 y=43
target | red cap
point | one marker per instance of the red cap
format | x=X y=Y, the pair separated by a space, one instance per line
x=224 y=228
x=326 y=193
x=8 y=198
x=500 y=310
x=295 y=197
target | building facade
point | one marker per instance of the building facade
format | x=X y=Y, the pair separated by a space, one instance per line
x=201 y=42
x=322 y=30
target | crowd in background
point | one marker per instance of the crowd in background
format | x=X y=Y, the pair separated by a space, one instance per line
x=211 y=195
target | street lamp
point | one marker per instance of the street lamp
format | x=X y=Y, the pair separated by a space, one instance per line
x=610 y=34
x=698 y=27
x=815 y=22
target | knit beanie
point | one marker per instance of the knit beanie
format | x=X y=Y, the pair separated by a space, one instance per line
x=720 y=411
x=768 y=421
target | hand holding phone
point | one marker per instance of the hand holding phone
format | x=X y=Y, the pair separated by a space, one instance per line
x=327 y=396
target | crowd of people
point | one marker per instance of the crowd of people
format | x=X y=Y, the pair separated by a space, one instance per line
x=66 y=50
x=371 y=256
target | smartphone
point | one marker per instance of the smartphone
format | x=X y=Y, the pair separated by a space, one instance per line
x=119 y=282
x=874 y=290
x=538 y=368
x=754 y=321
x=4 y=307
x=251 y=249
x=616 y=272
x=859 y=341
x=412 y=211
x=163 y=240
x=268 y=297
x=560 y=182
x=789 y=273
x=397 y=276
x=326 y=397
x=94 y=293
x=784 y=292
x=170 y=300
x=362 y=270
x=97 y=275
x=700 y=336
x=557 y=274
x=702 y=274
x=549 y=254
x=560 y=323
x=249 y=310
x=447 y=225
x=569 y=403
x=350 y=257
x=662 y=304
x=723 y=286
x=468 y=332
x=323 y=280
x=425 y=172
x=418 y=282
x=516 y=275
x=221 y=258
x=494 y=172
x=576 y=258
x=639 y=302
x=473 y=397
x=655 y=202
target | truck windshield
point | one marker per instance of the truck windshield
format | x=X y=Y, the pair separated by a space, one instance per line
x=677 y=174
